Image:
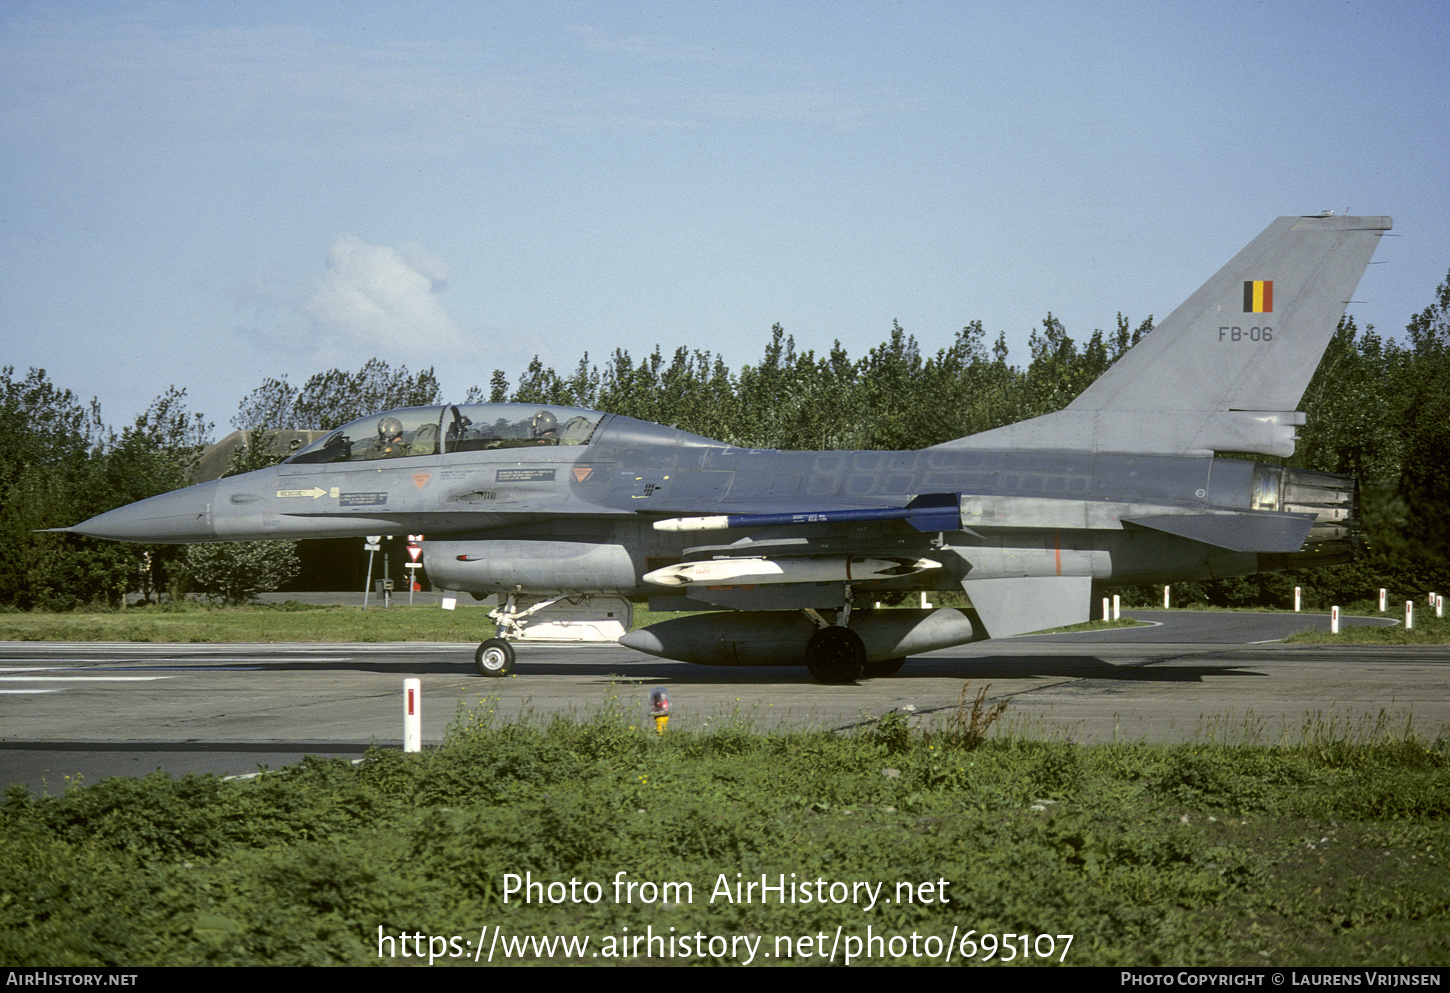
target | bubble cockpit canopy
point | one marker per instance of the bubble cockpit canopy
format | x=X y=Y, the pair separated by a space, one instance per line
x=418 y=431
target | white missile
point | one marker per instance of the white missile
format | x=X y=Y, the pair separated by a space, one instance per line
x=928 y=512
x=762 y=571
x=718 y=522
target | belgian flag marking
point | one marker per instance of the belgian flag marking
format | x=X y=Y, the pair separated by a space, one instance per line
x=1258 y=296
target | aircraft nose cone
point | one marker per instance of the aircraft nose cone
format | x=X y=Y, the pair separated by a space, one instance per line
x=177 y=517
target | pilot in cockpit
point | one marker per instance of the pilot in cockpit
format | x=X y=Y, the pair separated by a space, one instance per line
x=389 y=444
x=544 y=428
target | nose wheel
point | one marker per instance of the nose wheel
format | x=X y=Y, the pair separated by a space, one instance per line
x=495 y=657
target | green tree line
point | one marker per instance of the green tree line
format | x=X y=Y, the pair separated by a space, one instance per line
x=1378 y=408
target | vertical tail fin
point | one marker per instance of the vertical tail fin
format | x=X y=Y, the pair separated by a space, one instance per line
x=1226 y=370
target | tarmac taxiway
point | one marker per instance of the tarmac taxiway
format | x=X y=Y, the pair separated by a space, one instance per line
x=74 y=712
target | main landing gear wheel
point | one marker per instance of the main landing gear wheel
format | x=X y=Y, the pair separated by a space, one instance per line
x=495 y=657
x=835 y=655
x=884 y=667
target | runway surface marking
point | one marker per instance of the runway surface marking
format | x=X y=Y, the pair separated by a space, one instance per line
x=77 y=663
x=81 y=679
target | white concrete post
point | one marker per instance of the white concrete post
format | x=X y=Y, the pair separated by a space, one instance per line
x=412 y=715
x=1106 y=611
x=1117 y=613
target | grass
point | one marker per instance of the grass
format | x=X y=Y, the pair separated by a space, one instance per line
x=1427 y=630
x=1100 y=625
x=256 y=623
x=1330 y=849
x=270 y=622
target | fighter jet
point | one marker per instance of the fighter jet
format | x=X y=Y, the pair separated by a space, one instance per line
x=780 y=555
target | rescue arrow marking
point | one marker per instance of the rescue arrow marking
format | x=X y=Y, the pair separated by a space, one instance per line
x=315 y=492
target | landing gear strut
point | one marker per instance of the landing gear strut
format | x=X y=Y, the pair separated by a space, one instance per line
x=549 y=619
x=836 y=654
x=495 y=657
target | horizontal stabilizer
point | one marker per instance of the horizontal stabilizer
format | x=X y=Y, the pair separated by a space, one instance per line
x=1235 y=532
x=1025 y=604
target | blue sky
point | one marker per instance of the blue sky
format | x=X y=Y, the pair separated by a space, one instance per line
x=209 y=194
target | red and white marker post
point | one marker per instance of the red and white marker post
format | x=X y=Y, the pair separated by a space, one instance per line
x=412 y=715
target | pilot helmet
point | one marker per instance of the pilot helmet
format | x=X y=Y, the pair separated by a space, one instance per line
x=390 y=429
x=545 y=424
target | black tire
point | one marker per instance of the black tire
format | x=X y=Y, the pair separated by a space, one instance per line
x=835 y=655
x=495 y=657
x=882 y=668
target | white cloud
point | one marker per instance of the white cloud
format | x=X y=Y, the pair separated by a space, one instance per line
x=385 y=300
